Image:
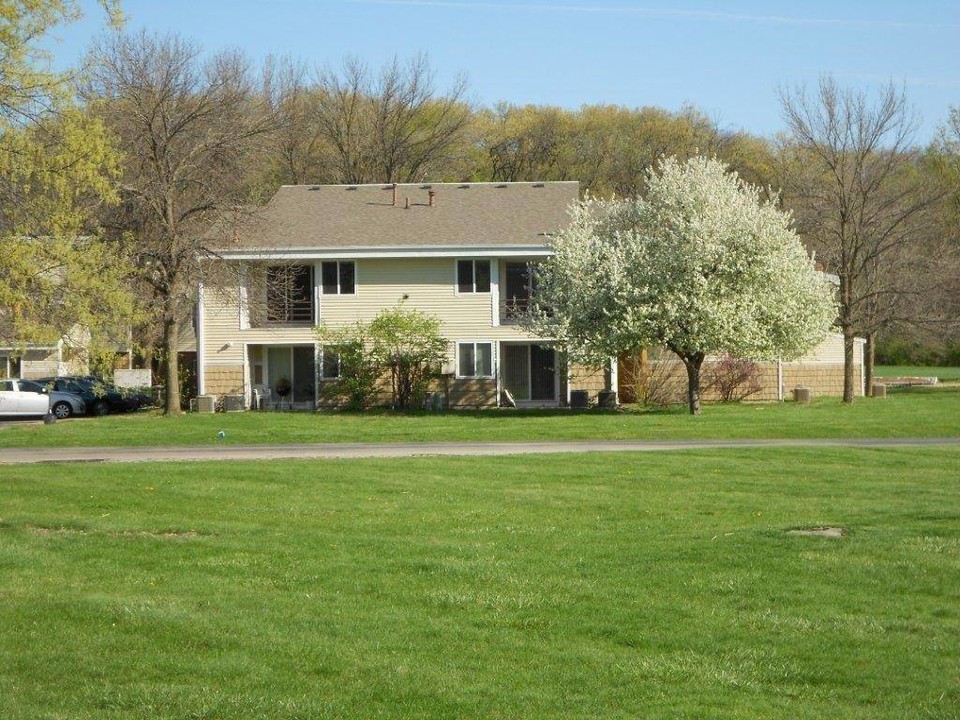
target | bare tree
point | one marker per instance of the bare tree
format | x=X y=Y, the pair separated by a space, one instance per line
x=190 y=131
x=392 y=127
x=299 y=151
x=857 y=202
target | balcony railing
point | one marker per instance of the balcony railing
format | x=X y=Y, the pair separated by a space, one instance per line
x=282 y=314
x=512 y=310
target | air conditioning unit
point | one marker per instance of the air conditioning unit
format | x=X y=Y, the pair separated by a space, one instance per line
x=206 y=403
x=233 y=403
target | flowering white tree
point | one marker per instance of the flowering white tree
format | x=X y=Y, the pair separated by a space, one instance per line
x=702 y=265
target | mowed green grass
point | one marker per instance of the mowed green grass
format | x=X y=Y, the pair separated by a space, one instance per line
x=615 y=586
x=944 y=374
x=930 y=414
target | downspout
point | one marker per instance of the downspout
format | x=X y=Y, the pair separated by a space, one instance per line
x=779 y=379
x=317 y=363
x=863 y=370
x=318 y=291
x=499 y=375
x=495 y=291
x=247 y=384
x=201 y=380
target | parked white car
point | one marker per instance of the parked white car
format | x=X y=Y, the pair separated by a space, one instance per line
x=62 y=404
x=15 y=400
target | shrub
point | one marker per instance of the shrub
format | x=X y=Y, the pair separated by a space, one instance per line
x=732 y=379
x=409 y=346
x=404 y=345
x=654 y=378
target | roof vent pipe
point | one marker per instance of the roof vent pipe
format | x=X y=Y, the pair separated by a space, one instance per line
x=394 y=194
x=406 y=205
x=431 y=194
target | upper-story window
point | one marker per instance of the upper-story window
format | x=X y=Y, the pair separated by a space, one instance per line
x=289 y=295
x=473 y=276
x=338 y=277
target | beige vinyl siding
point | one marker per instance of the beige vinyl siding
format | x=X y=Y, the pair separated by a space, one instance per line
x=429 y=284
x=831 y=351
x=223 y=340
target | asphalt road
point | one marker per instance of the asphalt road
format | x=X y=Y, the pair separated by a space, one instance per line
x=367 y=450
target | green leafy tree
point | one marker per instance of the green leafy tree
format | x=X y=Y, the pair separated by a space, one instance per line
x=56 y=168
x=702 y=265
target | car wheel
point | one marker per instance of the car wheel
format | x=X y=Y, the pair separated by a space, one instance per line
x=100 y=407
x=61 y=410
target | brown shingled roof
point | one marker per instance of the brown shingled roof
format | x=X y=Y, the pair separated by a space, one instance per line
x=364 y=216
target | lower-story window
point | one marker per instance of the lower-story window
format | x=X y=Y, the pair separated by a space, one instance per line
x=475 y=359
x=330 y=364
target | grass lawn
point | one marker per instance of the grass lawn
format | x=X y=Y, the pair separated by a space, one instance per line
x=619 y=586
x=914 y=414
x=945 y=374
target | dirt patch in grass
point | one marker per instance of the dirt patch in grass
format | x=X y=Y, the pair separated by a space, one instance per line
x=159 y=535
x=824 y=531
x=44 y=531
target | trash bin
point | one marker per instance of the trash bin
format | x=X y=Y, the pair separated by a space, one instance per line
x=579 y=398
x=802 y=394
x=607 y=399
x=879 y=390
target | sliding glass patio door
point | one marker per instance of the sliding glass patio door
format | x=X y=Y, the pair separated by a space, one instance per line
x=529 y=372
x=294 y=366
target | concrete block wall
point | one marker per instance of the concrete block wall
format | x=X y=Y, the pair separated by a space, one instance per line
x=821 y=378
x=586 y=378
x=824 y=379
x=471 y=393
x=223 y=380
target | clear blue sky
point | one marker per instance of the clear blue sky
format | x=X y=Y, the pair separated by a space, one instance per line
x=727 y=58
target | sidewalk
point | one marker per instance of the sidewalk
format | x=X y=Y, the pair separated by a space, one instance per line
x=369 y=450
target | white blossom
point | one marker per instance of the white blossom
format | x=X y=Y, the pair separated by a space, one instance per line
x=702 y=265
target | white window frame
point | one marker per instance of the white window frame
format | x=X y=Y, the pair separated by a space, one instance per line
x=322 y=354
x=339 y=290
x=493 y=359
x=473 y=262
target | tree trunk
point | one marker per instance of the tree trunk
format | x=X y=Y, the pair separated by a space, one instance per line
x=171 y=336
x=868 y=357
x=693 y=362
x=848 y=338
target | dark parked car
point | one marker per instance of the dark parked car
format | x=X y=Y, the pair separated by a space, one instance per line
x=101 y=397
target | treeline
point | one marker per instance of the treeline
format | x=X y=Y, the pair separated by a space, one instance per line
x=355 y=124
x=119 y=172
x=878 y=210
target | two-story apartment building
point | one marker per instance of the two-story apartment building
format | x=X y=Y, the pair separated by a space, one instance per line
x=336 y=254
